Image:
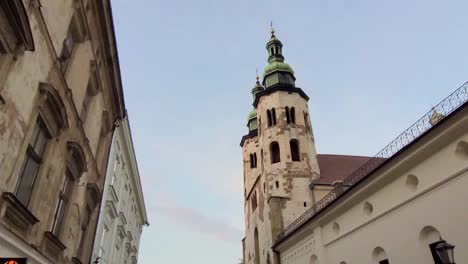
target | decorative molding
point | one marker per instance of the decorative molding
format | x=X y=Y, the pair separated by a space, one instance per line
x=76 y=260
x=15 y=214
x=121 y=231
x=52 y=246
x=113 y=193
x=111 y=209
x=122 y=218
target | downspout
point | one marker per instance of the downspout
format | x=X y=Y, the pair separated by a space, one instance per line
x=312 y=187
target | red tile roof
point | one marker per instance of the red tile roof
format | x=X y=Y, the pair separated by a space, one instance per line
x=337 y=167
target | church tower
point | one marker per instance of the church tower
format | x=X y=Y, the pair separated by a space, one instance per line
x=279 y=157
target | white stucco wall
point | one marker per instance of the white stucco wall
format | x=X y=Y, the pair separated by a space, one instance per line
x=119 y=230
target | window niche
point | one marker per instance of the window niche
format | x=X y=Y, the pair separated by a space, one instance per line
x=368 y=208
x=294 y=146
x=412 y=182
x=76 y=34
x=15 y=36
x=274 y=152
x=75 y=167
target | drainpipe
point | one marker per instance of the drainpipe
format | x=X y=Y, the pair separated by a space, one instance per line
x=312 y=187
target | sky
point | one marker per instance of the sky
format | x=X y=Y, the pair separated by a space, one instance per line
x=371 y=68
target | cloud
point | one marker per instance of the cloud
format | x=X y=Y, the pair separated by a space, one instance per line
x=198 y=222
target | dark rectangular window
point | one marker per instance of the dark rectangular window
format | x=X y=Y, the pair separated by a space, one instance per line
x=385 y=261
x=64 y=200
x=32 y=162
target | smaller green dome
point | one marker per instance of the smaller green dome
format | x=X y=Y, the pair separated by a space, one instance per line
x=252 y=115
x=277 y=66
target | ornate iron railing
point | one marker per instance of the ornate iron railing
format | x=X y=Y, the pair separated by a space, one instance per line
x=437 y=113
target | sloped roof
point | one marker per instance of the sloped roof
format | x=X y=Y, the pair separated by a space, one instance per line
x=337 y=167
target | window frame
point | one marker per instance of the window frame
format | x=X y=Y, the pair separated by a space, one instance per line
x=31 y=156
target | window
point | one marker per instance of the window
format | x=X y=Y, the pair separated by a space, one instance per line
x=84 y=227
x=67 y=49
x=32 y=161
x=274 y=152
x=273 y=116
x=261 y=158
x=385 y=261
x=294 y=145
x=277 y=184
x=306 y=121
x=252 y=161
x=292 y=115
x=76 y=165
x=64 y=200
x=269 y=120
x=257 y=247
x=254 y=201
x=255 y=160
x=305 y=204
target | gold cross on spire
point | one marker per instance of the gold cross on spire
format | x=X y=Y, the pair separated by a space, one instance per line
x=272 y=29
x=256 y=77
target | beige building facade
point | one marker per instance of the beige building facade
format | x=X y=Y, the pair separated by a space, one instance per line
x=307 y=208
x=60 y=95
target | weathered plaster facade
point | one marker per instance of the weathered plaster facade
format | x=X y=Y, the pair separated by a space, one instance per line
x=59 y=75
x=123 y=212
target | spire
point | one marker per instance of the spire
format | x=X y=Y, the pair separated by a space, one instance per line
x=258 y=86
x=272 y=29
x=277 y=71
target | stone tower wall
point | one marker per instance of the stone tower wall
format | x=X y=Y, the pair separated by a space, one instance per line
x=281 y=188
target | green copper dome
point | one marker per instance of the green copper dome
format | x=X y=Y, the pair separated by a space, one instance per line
x=252 y=120
x=252 y=115
x=277 y=66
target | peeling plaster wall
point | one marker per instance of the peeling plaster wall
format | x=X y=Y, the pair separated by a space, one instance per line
x=20 y=91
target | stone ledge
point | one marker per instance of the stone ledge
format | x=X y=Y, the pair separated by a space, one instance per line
x=15 y=214
x=52 y=245
x=76 y=260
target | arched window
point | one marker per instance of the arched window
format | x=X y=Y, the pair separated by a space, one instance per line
x=251 y=161
x=306 y=121
x=261 y=158
x=275 y=152
x=257 y=247
x=269 y=120
x=255 y=159
x=52 y=118
x=273 y=116
x=294 y=145
x=76 y=165
x=254 y=201
x=288 y=119
x=292 y=115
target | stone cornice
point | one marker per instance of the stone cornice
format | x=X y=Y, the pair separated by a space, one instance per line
x=279 y=87
x=251 y=134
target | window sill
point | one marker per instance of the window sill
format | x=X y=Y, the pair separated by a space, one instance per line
x=52 y=245
x=76 y=260
x=15 y=214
